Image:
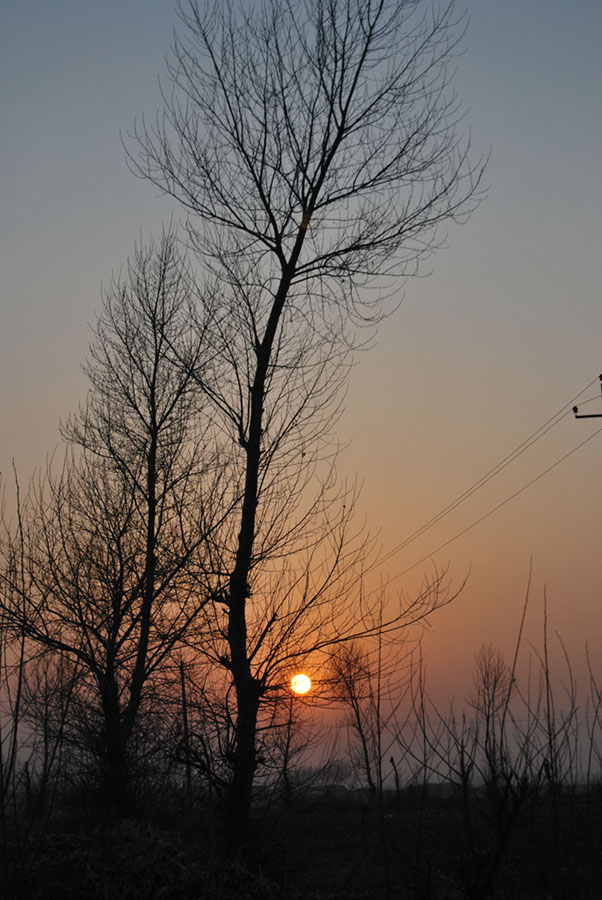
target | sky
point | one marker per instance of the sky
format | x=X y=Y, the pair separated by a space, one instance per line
x=499 y=338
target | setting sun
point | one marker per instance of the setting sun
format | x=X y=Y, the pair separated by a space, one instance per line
x=300 y=684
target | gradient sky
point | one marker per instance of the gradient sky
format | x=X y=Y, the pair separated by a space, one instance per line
x=504 y=333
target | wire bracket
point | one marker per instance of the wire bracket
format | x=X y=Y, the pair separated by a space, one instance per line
x=579 y=415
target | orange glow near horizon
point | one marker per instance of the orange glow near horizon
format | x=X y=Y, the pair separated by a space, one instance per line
x=300 y=683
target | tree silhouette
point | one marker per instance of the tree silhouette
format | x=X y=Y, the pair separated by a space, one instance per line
x=315 y=146
x=107 y=566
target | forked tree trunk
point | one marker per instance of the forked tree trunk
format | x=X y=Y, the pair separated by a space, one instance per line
x=117 y=797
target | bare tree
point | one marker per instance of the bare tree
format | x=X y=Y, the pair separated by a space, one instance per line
x=510 y=757
x=493 y=687
x=107 y=568
x=14 y=752
x=370 y=680
x=352 y=679
x=315 y=145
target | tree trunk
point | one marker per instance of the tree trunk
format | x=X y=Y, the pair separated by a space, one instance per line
x=238 y=813
x=117 y=796
x=248 y=689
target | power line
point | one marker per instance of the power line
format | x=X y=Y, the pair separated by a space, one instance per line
x=499 y=506
x=481 y=482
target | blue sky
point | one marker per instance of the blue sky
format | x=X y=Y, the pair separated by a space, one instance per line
x=504 y=332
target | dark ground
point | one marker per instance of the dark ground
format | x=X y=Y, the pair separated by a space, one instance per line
x=323 y=848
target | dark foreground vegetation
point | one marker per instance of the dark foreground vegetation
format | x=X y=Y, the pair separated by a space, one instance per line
x=398 y=800
x=417 y=844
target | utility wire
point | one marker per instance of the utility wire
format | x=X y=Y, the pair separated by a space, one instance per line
x=499 y=506
x=589 y=400
x=481 y=482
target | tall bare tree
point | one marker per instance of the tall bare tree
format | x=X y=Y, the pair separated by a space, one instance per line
x=316 y=147
x=107 y=567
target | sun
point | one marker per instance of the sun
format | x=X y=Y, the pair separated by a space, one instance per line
x=300 y=683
